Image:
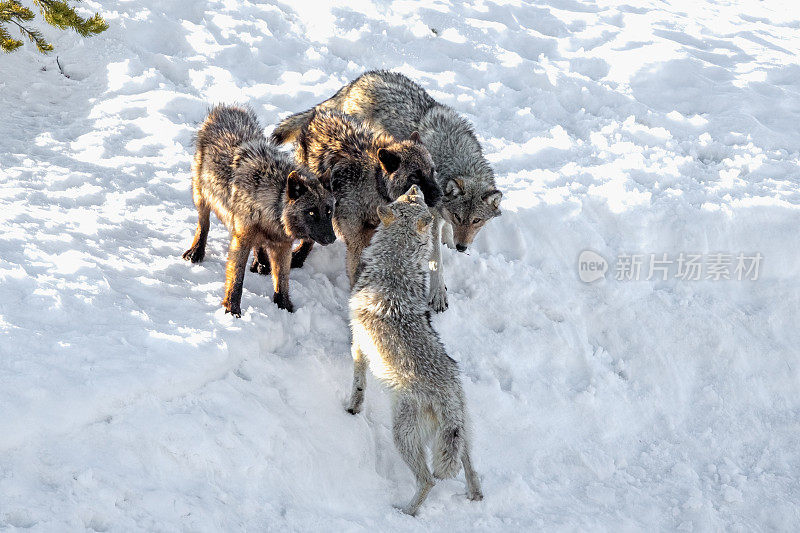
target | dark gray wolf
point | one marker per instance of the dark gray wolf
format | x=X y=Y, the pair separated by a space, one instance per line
x=367 y=170
x=258 y=192
x=392 y=103
x=392 y=334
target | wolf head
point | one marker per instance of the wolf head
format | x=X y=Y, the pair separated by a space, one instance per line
x=408 y=163
x=468 y=204
x=408 y=220
x=470 y=196
x=308 y=208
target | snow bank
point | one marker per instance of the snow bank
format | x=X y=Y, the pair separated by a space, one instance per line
x=129 y=400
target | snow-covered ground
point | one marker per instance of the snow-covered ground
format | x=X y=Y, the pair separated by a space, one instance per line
x=130 y=401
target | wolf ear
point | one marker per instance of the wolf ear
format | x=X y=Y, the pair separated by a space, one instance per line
x=295 y=186
x=389 y=160
x=326 y=180
x=414 y=136
x=454 y=187
x=493 y=198
x=413 y=195
x=386 y=215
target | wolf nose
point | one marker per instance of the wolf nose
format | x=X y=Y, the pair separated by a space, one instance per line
x=461 y=248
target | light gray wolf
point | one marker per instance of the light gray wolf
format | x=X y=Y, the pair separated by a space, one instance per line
x=393 y=335
x=392 y=103
x=367 y=169
x=260 y=194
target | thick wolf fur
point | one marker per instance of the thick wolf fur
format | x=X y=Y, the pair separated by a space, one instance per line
x=393 y=335
x=367 y=169
x=392 y=103
x=260 y=194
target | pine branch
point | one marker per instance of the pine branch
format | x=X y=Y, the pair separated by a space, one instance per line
x=59 y=14
x=35 y=37
x=13 y=9
x=7 y=43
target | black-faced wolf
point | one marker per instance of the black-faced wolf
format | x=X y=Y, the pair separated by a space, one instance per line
x=260 y=194
x=392 y=334
x=394 y=104
x=367 y=169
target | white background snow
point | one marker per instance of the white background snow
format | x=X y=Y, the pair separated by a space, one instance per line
x=130 y=401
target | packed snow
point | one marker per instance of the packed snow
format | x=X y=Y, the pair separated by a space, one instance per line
x=130 y=401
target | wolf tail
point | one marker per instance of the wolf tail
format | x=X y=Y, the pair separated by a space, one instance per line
x=449 y=443
x=289 y=129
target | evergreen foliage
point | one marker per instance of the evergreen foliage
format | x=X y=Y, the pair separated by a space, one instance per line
x=57 y=13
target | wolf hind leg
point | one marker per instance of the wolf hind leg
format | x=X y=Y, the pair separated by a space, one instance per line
x=197 y=250
x=474 y=492
x=359 y=380
x=260 y=263
x=409 y=442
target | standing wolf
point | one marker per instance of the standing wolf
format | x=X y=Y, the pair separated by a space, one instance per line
x=392 y=333
x=367 y=170
x=393 y=103
x=259 y=194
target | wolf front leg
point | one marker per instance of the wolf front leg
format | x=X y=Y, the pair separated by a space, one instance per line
x=408 y=439
x=359 y=380
x=261 y=259
x=238 y=251
x=300 y=253
x=280 y=259
x=355 y=246
x=447 y=235
x=437 y=295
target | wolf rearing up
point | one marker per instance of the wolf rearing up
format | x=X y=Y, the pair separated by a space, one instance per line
x=258 y=192
x=392 y=334
x=394 y=104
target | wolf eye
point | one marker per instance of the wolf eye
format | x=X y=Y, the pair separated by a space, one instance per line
x=312 y=213
x=328 y=211
x=476 y=221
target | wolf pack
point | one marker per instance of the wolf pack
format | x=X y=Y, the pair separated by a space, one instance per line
x=394 y=174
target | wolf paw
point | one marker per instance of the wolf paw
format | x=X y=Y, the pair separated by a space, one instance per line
x=195 y=255
x=283 y=302
x=260 y=268
x=438 y=300
x=407 y=509
x=475 y=495
x=355 y=406
x=233 y=309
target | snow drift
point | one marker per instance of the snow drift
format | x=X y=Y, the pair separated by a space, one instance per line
x=129 y=400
